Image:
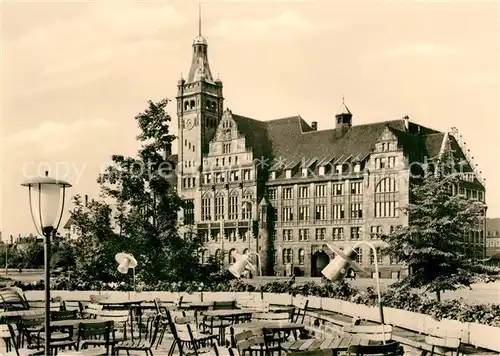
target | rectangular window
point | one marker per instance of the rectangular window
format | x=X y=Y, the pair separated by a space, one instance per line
x=320 y=212
x=391 y=162
x=338 y=211
x=288 y=235
x=380 y=163
x=303 y=213
x=304 y=172
x=189 y=212
x=287 y=193
x=320 y=190
x=219 y=208
x=376 y=232
x=233 y=207
x=356 y=210
x=226 y=148
x=288 y=173
x=234 y=176
x=273 y=175
x=207 y=178
x=320 y=234
x=356 y=188
x=302 y=256
x=272 y=194
x=338 y=233
x=321 y=171
x=386 y=209
x=206 y=209
x=247 y=174
x=337 y=189
x=303 y=192
x=287 y=214
x=355 y=233
x=379 y=256
x=303 y=234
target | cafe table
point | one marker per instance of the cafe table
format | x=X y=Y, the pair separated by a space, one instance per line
x=273 y=325
x=336 y=344
x=122 y=304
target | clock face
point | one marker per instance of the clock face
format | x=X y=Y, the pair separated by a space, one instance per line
x=189 y=123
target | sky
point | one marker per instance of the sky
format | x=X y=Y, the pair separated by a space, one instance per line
x=74 y=75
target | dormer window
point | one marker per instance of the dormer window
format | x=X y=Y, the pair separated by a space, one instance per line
x=304 y=172
x=338 y=169
x=288 y=173
x=357 y=168
x=322 y=171
x=273 y=175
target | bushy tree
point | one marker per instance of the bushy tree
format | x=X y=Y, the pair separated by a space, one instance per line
x=434 y=244
x=146 y=213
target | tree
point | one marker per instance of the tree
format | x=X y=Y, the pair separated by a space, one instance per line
x=146 y=212
x=434 y=244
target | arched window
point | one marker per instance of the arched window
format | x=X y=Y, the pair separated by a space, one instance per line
x=233 y=205
x=218 y=254
x=204 y=256
x=359 y=255
x=245 y=251
x=219 y=206
x=186 y=105
x=192 y=104
x=287 y=255
x=206 y=207
x=386 y=198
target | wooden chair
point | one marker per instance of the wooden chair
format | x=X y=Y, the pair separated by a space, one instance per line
x=120 y=319
x=9 y=333
x=95 y=334
x=446 y=343
x=319 y=352
x=12 y=299
x=390 y=349
x=255 y=341
x=54 y=306
x=29 y=326
x=299 y=312
x=164 y=321
x=146 y=345
x=187 y=336
x=370 y=332
x=225 y=351
x=91 y=310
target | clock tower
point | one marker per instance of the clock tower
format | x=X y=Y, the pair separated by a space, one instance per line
x=199 y=109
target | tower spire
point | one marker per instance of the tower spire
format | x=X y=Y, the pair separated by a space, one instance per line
x=199 y=19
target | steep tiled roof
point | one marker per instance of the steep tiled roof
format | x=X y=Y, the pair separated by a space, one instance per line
x=292 y=140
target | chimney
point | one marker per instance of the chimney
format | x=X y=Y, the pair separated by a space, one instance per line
x=86 y=200
x=406 y=120
x=314 y=125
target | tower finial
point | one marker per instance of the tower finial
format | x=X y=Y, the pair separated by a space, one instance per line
x=199 y=18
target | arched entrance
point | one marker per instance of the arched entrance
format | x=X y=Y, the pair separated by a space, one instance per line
x=320 y=260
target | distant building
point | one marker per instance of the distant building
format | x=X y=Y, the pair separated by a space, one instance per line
x=283 y=188
x=493 y=240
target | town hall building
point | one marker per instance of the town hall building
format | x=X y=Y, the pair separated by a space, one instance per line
x=284 y=188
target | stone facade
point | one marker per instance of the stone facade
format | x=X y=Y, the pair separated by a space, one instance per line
x=285 y=189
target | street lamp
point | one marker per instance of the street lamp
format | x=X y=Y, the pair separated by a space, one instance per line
x=125 y=262
x=337 y=269
x=46 y=199
x=243 y=263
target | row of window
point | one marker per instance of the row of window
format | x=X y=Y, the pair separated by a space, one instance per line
x=230 y=176
x=234 y=205
x=231 y=235
x=189 y=146
x=386 y=185
x=322 y=170
x=385 y=162
x=287 y=256
x=384 y=209
x=320 y=234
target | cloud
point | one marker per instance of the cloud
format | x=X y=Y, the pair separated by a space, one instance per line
x=105 y=32
x=52 y=137
x=273 y=26
x=418 y=49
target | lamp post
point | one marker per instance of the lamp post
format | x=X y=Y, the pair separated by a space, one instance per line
x=46 y=198
x=125 y=262
x=243 y=263
x=337 y=269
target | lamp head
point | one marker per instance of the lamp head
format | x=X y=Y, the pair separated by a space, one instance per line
x=242 y=263
x=46 y=199
x=337 y=269
x=125 y=262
